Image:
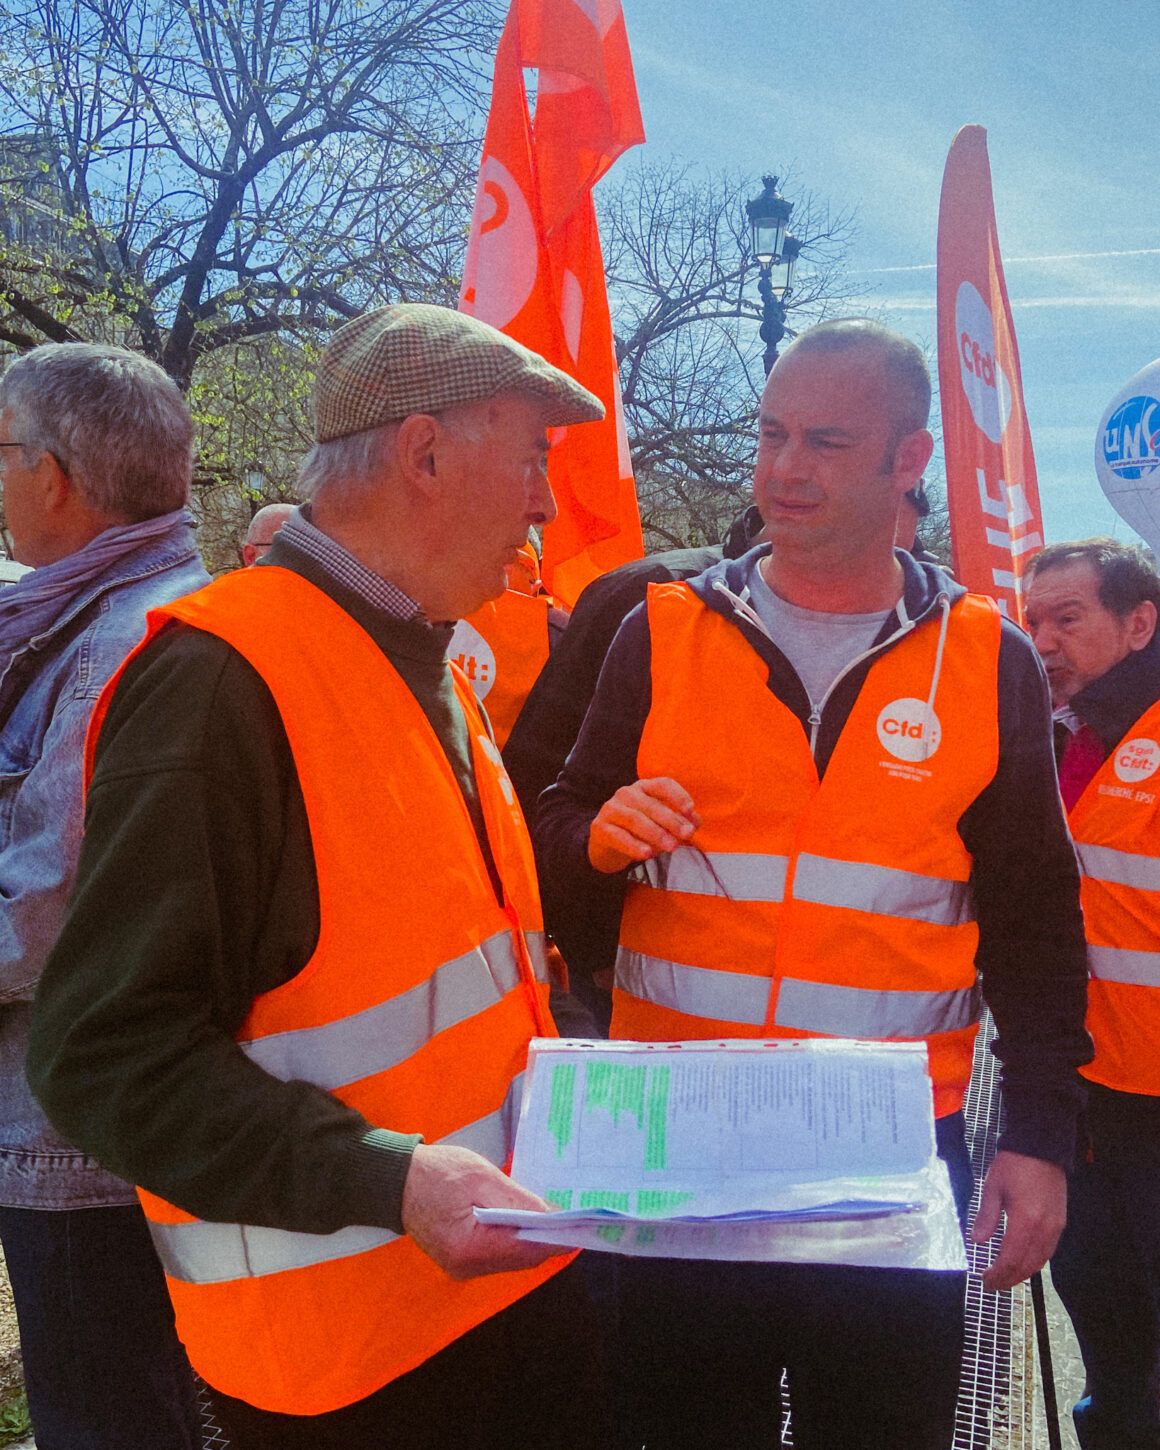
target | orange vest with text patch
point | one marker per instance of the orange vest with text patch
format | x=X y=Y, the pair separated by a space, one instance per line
x=803 y=908
x=416 y=1009
x=1116 y=827
x=502 y=648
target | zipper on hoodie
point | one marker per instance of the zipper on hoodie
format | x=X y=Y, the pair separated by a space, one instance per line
x=815 y=720
x=906 y=625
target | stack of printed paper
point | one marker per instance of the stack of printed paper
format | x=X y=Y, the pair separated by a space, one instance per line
x=817 y=1150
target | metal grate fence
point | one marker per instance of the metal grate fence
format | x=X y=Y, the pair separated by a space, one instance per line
x=985 y=1415
x=213 y=1437
x=991 y=1411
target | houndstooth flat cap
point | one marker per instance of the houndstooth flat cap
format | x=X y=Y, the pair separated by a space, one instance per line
x=415 y=358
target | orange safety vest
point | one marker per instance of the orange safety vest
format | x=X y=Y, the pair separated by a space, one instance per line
x=502 y=648
x=1116 y=826
x=806 y=908
x=416 y=1009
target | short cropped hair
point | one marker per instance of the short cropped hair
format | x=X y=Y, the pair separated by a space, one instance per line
x=358 y=460
x=114 y=421
x=907 y=375
x=352 y=462
x=262 y=519
x=1126 y=577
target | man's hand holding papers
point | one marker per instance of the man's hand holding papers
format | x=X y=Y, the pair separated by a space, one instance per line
x=443 y=1185
x=818 y=1150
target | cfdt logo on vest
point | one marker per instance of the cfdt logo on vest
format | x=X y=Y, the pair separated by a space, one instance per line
x=1132 y=438
x=985 y=384
x=1137 y=759
x=475 y=657
x=909 y=730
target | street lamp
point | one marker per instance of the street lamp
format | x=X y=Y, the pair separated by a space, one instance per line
x=776 y=252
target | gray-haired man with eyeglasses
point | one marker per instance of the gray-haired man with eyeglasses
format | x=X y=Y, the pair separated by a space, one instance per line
x=95 y=464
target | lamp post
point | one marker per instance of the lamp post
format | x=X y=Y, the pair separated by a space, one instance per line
x=776 y=252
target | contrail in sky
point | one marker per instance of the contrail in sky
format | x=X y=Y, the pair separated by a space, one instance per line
x=1060 y=257
x=908 y=304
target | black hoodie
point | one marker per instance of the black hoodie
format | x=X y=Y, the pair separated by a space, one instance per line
x=1024 y=880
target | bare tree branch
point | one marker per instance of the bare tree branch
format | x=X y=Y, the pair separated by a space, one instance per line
x=685 y=310
x=326 y=147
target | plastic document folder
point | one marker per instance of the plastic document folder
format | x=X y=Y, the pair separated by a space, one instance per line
x=813 y=1151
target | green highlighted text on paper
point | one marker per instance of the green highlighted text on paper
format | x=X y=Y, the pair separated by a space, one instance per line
x=727 y=1149
x=560 y=1104
x=631 y=1094
x=650 y=1203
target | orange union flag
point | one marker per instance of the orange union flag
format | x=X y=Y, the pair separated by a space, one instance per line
x=534 y=267
x=992 y=491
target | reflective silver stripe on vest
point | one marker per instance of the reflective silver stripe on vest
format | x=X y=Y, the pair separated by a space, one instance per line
x=744 y=875
x=696 y=991
x=1117 y=964
x=538 y=952
x=493 y=1136
x=860 y=886
x=369 y=1042
x=213 y=1253
x=1122 y=868
x=861 y=1012
x=802 y=1006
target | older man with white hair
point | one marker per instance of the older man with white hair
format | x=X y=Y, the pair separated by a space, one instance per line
x=96 y=463
x=303 y=1035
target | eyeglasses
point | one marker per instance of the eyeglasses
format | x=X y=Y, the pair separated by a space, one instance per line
x=40 y=452
x=9 y=445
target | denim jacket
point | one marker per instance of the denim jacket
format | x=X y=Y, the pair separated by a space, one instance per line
x=56 y=680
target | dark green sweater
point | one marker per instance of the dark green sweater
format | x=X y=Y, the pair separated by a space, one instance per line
x=196 y=892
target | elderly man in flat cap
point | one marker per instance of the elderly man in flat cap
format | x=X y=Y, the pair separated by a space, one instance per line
x=302 y=1029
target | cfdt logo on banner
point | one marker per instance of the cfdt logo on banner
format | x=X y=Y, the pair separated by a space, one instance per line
x=984 y=381
x=988 y=391
x=506 y=250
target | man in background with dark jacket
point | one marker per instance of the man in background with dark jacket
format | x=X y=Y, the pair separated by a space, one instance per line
x=550 y=722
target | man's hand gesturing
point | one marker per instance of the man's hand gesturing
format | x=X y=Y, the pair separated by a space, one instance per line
x=640 y=821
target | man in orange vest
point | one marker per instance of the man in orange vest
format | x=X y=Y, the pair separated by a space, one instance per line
x=502 y=646
x=815 y=785
x=1092 y=610
x=293 y=997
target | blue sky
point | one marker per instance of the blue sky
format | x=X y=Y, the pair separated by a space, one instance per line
x=861 y=103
